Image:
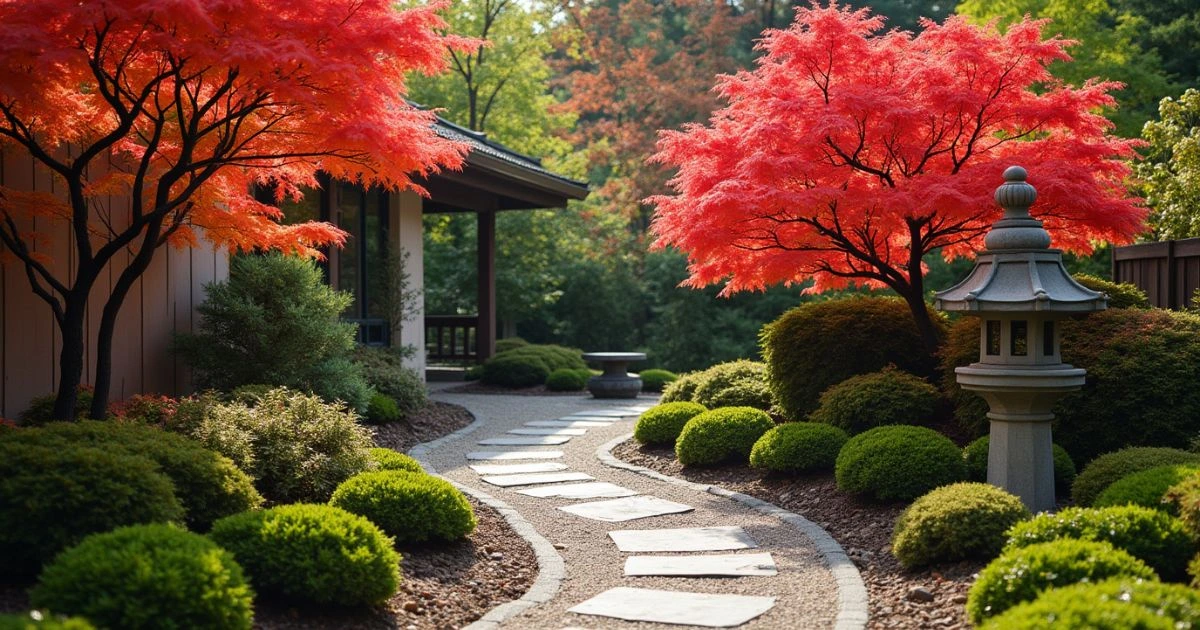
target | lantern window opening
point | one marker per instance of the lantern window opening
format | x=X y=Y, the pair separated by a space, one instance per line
x=1048 y=339
x=993 y=337
x=1019 y=338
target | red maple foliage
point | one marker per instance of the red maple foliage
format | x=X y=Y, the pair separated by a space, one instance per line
x=181 y=107
x=849 y=153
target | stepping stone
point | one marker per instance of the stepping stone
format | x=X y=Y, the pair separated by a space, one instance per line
x=499 y=455
x=548 y=431
x=724 y=538
x=533 y=440
x=626 y=509
x=692 y=609
x=532 y=478
x=567 y=424
x=716 y=565
x=607 y=420
x=591 y=490
x=604 y=413
x=516 y=469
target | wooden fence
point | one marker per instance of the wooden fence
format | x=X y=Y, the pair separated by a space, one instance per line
x=1168 y=271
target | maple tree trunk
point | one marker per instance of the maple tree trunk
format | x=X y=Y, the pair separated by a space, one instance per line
x=70 y=358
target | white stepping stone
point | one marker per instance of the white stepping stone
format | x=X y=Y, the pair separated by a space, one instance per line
x=516 y=469
x=626 y=509
x=607 y=420
x=604 y=413
x=567 y=424
x=532 y=478
x=532 y=440
x=590 y=490
x=501 y=455
x=548 y=431
x=692 y=609
x=716 y=565
x=722 y=538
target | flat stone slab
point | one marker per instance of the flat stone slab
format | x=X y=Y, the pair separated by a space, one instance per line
x=707 y=565
x=532 y=478
x=532 y=440
x=722 y=538
x=604 y=419
x=605 y=413
x=547 y=431
x=517 y=469
x=692 y=609
x=503 y=455
x=626 y=509
x=567 y=424
x=590 y=490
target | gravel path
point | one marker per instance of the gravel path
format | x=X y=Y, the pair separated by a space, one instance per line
x=804 y=588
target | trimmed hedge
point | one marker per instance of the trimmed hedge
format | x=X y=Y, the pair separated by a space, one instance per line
x=796 y=447
x=1147 y=488
x=662 y=423
x=568 y=380
x=147 y=576
x=739 y=383
x=866 y=401
x=898 y=463
x=510 y=343
x=956 y=522
x=529 y=365
x=411 y=507
x=975 y=455
x=387 y=459
x=1119 y=604
x=1120 y=294
x=722 y=435
x=1185 y=496
x=683 y=388
x=654 y=380
x=1108 y=468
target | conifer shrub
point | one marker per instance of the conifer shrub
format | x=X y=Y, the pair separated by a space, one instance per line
x=797 y=447
x=654 y=380
x=147 y=576
x=1147 y=488
x=898 y=463
x=1153 y=536
x=1120 y=294
x=411 y=507
x=1117 y=604
x=382 y=410
x=662 y=424
x=1108 y=468
x=889 y=396
x=721 y=436
x=567 y=380
x=975 y=455
x=956 y=522
x=43 y=620
x=385 y=372
x=683 y=388
x=1185 y=496
x=1022 y=574
x=387 y=459
x=312 y=554
x=739 y=383
x=41 y=408
x=509 y=343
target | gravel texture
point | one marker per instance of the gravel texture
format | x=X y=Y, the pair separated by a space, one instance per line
x=930 y=598
x=477 y=387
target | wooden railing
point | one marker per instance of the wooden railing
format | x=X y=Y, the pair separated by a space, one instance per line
x=451 y=338
x=1168 y=271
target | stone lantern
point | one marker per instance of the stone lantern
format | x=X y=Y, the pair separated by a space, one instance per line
x=1020 y=291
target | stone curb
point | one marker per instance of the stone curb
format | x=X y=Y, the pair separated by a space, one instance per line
x=552 y=570
x=852 y=593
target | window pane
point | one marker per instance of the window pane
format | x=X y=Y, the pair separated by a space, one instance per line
x=1020 y=338
x=307 y=209
x=375 y=240
x=349 y=215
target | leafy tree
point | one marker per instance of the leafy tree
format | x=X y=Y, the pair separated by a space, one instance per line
x=907 y=14
x=192 y=103
x=1172 y=27
x=847 y=155
x=1171 y=170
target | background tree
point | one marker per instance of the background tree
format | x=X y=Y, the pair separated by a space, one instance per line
x=193 y=103
x=847 y=154
x=1171 y=170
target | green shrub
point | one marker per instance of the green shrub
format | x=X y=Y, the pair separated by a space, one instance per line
x=889 y=396
x=956 y=522
x=312 y=554
x=1118 y=604
x=41 y=409
x=734 y=384
x=147 y=576
x=1021 y=575
x=275 y=321
x=473 y=373
x=1194 y=571
x=514 y=371
x=52 y=496
x=654 y=380
x=412 y=507
x=382 y=410
x=898 y=463
x=387 y=459
x=145 y=409
x=721 y=435
x=197 y=417
x=384 y=370
x=567 y=380
x=1108 y=468
x=41 y=620
x=661 y=424
x=1185 y=497
x=820 y=344
x=796 y=447
x=1147 y=488
x=1120 y=294
x=509 y=343
x=1153 y=536
x=975 y=455
x=683 y=388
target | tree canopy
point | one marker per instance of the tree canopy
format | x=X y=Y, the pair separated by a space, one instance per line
x=1171 y=170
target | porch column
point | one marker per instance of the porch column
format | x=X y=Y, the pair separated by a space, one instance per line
x=485 y=340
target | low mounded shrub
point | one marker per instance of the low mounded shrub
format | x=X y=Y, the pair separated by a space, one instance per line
x=384 y=370
x=683 y=388
x=889 y=396
x=1021 y=575
x=722 y=435
x=1108 y=468
x=654 y=380
x=42 y=620
x=734 y=384
x=387 y=459
x=41 y=409
x=1147 y=488
x=567 y=380
x=1151 y=535
x=312 y=554
x=661 y=424
x=529 y=365
x=796 y=447
x=151 y=409
x=956 y=522
x=1185 y=496
x=382 y=409
x=509 y=343
x=1120 y=294
x=898 y=463
x=147 y=576
x=1119 y=604
x=975 y=455
x=411 y=507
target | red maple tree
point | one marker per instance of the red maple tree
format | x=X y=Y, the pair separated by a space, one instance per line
x=849 y=153
x=182 y=107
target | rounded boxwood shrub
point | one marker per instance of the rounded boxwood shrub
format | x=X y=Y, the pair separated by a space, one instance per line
x=898 y=462
x=721 y=435
x=956 y=522
x=312 y=554
x=42 y=620
x=683 y=388
x=654 y=379
x=1185 y=497
x=567 y=380
x=509 y=343
x=889 y=396
x=382 y=409
x=147 y=576
x=820 y=344
x=529 y=365
x=1110 y=467
x=739 y=383
x=411 y=507
x=387 y=459
x=975 y=455
x=1118 y=604
x=1147 y=488
x=1021 y=575
x=796 y=447
x=1120 y=294
x=661 y=424
x=1151 y=535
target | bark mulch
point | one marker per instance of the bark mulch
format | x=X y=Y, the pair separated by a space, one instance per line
x=430 y=423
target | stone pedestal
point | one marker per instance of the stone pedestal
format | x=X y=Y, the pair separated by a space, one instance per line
x=616 y=381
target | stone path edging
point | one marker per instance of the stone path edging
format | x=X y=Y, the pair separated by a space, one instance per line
x=552 y=569
x=852 y=593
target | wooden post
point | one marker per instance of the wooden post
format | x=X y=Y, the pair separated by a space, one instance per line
x=485 y=333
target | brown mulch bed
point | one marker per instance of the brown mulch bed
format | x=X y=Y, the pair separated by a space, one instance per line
x=930 y=598
x=432 y=422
